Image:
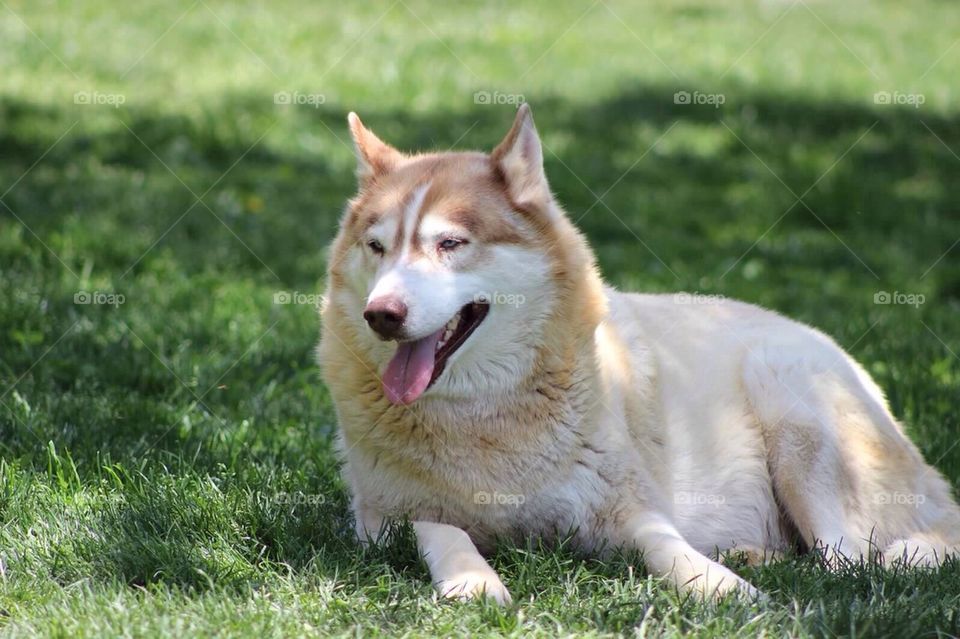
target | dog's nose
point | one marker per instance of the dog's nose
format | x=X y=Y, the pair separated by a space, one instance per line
x=386 y=315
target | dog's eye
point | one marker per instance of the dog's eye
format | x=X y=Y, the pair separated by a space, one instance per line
x=376 y=247
x=450 y=243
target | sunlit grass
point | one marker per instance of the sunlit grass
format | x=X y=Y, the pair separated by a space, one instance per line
x=166 y=462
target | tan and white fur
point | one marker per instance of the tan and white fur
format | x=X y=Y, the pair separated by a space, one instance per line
x=674 y=425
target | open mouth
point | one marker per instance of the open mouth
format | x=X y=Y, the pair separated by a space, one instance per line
x=418 y=363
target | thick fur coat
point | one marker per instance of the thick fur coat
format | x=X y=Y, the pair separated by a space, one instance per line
x=677 y=425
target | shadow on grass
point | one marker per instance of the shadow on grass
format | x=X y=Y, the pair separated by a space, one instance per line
x=686 y=177
x=693 y=198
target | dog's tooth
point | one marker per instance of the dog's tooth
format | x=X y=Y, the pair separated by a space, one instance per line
x=448 y=331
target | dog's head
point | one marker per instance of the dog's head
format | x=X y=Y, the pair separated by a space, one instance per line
x=450 y=262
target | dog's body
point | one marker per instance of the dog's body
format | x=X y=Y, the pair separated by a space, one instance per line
x=552 y=405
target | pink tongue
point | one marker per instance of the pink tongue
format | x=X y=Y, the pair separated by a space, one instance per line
x=408 y=373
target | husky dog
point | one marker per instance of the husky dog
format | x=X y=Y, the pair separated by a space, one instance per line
x=488 y=385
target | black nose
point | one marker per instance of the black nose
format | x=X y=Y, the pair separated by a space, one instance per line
x=386 y=315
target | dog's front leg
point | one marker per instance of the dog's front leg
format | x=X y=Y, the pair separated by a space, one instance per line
x=457 y=569
x=667 y=554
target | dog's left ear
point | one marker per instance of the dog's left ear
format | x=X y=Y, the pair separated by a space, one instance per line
x=519 y=157
x=374 y=156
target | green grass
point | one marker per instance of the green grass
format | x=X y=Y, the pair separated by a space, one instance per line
x=166 y=463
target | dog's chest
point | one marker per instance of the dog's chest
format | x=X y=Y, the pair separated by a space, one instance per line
x=495 y=479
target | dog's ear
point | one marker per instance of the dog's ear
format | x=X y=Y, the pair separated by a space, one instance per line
x=519 y=158
x=374 y=156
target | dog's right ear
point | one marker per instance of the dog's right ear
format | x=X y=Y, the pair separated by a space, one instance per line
x=374 y=156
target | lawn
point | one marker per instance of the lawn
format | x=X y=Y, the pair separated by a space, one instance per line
x=171 y=174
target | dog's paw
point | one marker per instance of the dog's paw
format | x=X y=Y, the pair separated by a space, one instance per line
x=718 y=582
x=737 y=587
x=473 y=584
x=914 y=553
